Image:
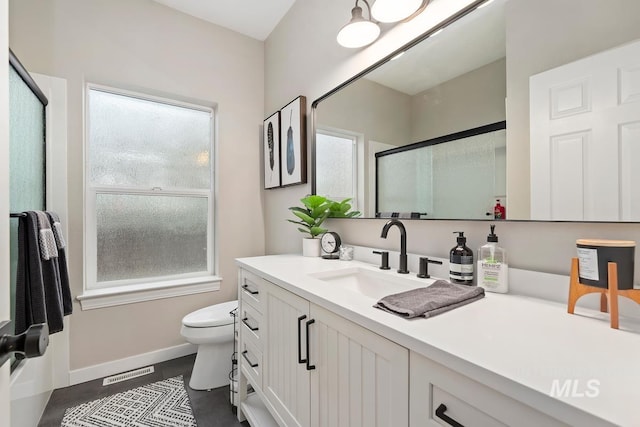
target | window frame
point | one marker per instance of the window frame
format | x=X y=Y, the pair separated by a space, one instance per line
x=105 y=294
x=356 y=144
x=355 y=139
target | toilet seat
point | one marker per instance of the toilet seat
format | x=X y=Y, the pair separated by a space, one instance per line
x=212 y=316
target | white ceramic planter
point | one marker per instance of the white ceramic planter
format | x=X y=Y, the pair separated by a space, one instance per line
x=311 y=247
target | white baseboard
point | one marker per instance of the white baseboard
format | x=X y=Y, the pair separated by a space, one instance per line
x=102 y=370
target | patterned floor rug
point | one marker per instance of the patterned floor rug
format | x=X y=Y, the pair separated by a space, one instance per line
x=160 y=404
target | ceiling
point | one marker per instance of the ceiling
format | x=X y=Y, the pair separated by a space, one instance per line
x=254 y=18
x=473 y=41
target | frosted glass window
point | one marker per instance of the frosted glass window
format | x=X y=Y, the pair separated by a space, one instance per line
x=149 y=189
x=335 y=170
x=150 y=236
x=138 y=142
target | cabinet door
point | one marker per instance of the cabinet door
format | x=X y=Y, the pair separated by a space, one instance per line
x=361 y=378
x=285 y=380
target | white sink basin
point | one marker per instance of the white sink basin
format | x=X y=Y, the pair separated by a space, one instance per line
x=371 y=283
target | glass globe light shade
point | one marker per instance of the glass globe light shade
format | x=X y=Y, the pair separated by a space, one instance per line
x=359 y=31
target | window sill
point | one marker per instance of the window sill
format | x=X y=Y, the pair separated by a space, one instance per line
x=109 y=297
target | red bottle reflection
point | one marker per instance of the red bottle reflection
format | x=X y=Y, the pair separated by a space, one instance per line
x=499 y=211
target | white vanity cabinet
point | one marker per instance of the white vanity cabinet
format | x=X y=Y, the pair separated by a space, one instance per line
x=286 y=384
x=320 y=355
x=251 y=328
x=320 y=369
x=360 y=378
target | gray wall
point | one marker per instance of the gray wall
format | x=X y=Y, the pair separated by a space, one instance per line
x=540 y=246
x=142 y=45
x=376 y=111
x=473 y=99
x=385 y=115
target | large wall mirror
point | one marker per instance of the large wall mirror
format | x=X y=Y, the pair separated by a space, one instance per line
x=388 y=138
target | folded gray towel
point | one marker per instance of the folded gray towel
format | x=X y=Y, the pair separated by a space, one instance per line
x=441 y=296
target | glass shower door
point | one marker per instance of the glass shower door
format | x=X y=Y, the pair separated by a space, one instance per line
x=26 y=163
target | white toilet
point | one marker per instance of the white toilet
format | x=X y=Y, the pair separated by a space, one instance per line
x=211 y=328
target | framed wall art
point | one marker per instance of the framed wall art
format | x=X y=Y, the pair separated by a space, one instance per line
x=293 y=142
x=271 y=150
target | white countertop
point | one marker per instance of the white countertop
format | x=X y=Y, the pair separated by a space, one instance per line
x=514 y=344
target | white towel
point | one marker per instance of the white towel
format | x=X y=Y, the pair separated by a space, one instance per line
x=57 y=233
x=46 y=238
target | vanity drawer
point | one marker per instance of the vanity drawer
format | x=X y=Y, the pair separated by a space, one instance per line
x=251 y=363
x=251 y=324
x=447 y=410
x=467 y=402
x=251 y=289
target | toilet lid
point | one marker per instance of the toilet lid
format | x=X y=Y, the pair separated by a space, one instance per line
x=214 y=315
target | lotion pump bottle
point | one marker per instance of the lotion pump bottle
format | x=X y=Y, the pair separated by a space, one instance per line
x=493 y=270
x=461 y=262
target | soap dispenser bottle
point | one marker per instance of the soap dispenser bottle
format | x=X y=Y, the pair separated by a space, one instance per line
x=493 y=270
x=461 y=262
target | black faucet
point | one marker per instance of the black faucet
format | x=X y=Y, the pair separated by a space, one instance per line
x=403 y=243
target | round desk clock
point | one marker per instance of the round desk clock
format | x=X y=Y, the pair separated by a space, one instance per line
x=330 y=243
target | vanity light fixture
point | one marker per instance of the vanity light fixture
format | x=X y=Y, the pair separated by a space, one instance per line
x=397 y=10
x=359 y=31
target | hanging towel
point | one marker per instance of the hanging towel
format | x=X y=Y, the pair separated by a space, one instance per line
x=441 y=296
x=30 y=301
x=67 y=302
x=38 y=290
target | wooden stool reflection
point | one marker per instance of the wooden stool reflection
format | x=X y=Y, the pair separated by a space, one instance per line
x=577 y=290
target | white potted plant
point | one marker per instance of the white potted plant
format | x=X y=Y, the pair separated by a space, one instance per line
x=310 y=218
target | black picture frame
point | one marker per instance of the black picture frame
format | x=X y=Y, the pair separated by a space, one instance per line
x=271 y=150
x=293 y=145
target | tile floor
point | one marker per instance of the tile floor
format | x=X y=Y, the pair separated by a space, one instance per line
x=210 y=408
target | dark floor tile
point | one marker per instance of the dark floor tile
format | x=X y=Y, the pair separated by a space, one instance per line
x=210 y=408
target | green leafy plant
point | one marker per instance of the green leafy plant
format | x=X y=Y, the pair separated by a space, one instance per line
x=316 y=209
x=312 y=215
x=341 y=209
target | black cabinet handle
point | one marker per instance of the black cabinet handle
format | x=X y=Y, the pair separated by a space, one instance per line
x=300 y=359
x=440 y=412
x=252 y=364
x=310 y=367
x=247 y=289
x=253 y=328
